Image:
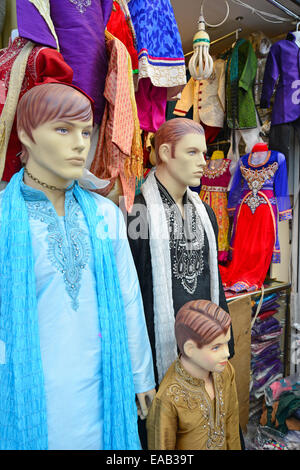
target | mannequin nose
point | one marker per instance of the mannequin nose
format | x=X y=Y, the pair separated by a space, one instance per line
x=202 y=161
x=79 y=142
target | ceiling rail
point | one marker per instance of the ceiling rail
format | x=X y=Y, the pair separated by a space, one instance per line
x=285 y=9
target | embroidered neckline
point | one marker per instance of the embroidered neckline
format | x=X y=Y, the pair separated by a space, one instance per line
x=186 y=241
x=260 y=164
x=193 y=393
x=81 y=5
x=215 y=172
x=186 y=376
x=69 y=250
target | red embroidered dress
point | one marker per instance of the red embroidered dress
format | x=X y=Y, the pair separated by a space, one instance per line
x=43 y=62
x=214 y=184
x=258 y=196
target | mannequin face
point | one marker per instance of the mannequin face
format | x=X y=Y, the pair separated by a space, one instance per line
x=212 y=357
x=59 y=150
x=187 y=168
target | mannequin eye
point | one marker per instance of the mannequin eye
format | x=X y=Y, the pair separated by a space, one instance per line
x=61 y=130
x=86 y=134
x=215 y=348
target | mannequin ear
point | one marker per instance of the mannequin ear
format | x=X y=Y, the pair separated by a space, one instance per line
x=189 y=347
x=164 y=152
x=24 y=139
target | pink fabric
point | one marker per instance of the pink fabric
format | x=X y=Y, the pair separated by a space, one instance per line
x=151 y=104
x=221 y=176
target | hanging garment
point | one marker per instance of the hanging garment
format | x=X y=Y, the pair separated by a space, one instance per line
x=240 y=74
x=119 y=27
x=79 y=28
x=118 y=128
x=158 y=41
x=151 y=104
x=285 y=138
x=258 y=194
x=214 y=184
x=283 y=65
x=206 y=96
x=43 y=62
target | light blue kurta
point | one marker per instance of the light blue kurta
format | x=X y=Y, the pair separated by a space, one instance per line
x=68 y=317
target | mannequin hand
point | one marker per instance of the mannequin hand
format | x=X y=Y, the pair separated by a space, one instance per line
x=143 y=402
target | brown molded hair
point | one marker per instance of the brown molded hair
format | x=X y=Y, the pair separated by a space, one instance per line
x=50 y=102
x=201 y=321
x=170 y=132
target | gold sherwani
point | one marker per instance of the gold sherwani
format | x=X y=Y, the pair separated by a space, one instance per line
x=183 y=417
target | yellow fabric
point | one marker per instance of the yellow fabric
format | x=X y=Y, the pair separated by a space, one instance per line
x=217 y=155
x=11 y=102
x=183 y=417
x=217 y=200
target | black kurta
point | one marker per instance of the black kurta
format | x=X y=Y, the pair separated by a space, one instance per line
x=140 y=248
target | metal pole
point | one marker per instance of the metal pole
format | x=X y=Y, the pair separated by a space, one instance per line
x=219 y=39
x=285 y=9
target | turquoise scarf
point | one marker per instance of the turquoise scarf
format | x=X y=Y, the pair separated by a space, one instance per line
x=23 y=416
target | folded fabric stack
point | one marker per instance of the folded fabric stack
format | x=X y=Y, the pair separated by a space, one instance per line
x=266 y=364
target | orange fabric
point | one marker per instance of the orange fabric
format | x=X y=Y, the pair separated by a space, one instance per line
x=117 y=127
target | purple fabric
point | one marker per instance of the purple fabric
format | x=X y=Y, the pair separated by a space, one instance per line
x=270 y=325
x=283 y=62
x=80 y=29
x=269 y=306
x=27 y=16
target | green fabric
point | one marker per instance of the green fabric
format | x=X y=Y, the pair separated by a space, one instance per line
x=240 y=75
x=288 y=404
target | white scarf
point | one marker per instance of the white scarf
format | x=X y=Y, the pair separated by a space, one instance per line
x=164 y=316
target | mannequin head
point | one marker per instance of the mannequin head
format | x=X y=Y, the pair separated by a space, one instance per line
x=202 y=333
x=179 y=147
x=54 y=124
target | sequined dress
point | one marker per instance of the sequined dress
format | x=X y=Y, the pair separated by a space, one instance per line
x=214 y=184
x=258 y=199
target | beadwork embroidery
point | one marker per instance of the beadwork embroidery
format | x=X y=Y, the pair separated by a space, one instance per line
x=186 y=243
x=192 y=392
x=81 y=5
x=256 y=179
x=216 y=172
x=68 y=253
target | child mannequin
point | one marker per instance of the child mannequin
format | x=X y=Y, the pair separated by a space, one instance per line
x=196 y=406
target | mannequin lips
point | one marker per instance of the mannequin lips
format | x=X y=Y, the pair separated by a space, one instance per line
x=77 y=161
x=223 y=363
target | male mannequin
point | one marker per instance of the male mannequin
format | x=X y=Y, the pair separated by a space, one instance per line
x=69 y=293
x=196 y=407
x=176 y=259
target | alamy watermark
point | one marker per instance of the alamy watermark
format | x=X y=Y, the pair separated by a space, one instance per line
x=296 y=94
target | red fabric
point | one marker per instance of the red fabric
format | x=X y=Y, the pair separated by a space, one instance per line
x=267 y=314
x=211 y=133
x=43 y=62
x=252 y=249
x=118 y=26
